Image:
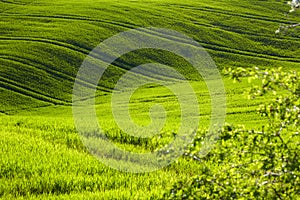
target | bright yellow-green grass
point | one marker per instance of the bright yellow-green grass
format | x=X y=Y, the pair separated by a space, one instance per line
x=42 y=45
x=42 y=155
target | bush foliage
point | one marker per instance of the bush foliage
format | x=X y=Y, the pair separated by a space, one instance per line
x=253 y=164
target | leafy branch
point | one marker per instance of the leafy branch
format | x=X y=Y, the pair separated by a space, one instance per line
x=252 y=164
x=295 y=4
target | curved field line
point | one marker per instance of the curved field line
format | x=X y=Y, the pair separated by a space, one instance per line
x=250 y=34
x=248 y=53
x=15 y=84
x=10 y=84
x=171 y=6
x=60 y=44
x=208 y=45
x=49 y=70
x=244 y=31
x=3 y=113
x=17 y=3
x=84 y=82
x=249 y=15
x=26 y=109
x=205 y=8
x=13 y=3
x=246 y=15
x=230 y=13
x=43 y=40
x=195 y=20
x=216 y=47
x=20 y=90
x=72 y=17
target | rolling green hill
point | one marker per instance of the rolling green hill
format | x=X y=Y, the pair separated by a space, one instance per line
x=42 y=45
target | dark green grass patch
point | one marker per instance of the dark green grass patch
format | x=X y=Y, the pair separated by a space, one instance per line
x=50 y=40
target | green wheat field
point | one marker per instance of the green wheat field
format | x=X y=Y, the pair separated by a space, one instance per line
x=42 y=46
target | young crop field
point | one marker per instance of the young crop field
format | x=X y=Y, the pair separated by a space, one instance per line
x=44 y=43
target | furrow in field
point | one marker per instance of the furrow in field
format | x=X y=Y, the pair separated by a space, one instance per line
x=126 y=25
x=171 y=7
x=188 y=18
x=28 y=108
x=40 y=66
x=211 y=46
x=247 y=53
x=13 y=5
x=13 y=86
x=47 y=41
x=12 y=2
x=196 y=21
x=3 y=113
x=53 y=72
x=206 y=45
x=224 y=49
x=230 y=13
x=84 y=83
x=49 y=69
x=263 y=18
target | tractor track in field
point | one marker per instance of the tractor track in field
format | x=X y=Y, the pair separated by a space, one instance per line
x=55 y=43
x=15 y=4
x=254 y=110
x=47 y=41
x=132 y=26
x=194 y=21
x=224 y=49
x=249 y=33
x=8 y=112
x=50 y=70
x=12 y=85
x=206 y=45
x=189 y=19
x=15 y=87
x=72 y=17
x=11 y=2
x=234 y=14
x=3 y=112
x=211 y=46
x=248 y=53
x=228 y=13
x=169 y=7
x=47 y=68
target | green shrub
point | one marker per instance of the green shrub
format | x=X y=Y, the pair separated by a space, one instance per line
x=253 y=164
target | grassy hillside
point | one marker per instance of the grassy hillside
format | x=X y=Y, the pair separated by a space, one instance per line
x=42 y=45
x=42 y=155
